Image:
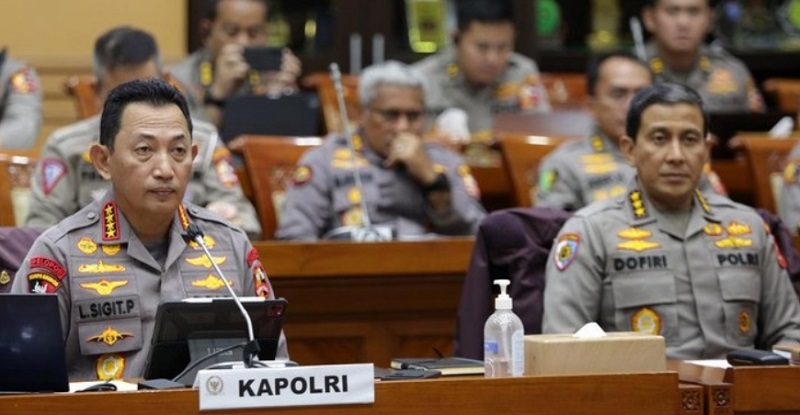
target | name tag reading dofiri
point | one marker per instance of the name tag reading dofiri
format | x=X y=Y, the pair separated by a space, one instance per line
x=291 y=386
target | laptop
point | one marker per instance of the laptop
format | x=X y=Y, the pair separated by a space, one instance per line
x=726 y=125
x=294 y=115
x=32 y=357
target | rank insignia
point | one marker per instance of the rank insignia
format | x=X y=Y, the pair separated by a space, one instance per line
x=23 y=82
x=110 y=222
x=637 y=205
x=745 y=321
x=209 y=241
x=110 y=367
x=110 y=250
x=261 y=283
x=183 y=217
x=634 y=233
x=657 y=65
x=302 y=175
x=732 y=243
x=104 y=287
x=5 y=277
x=597 y=144
x=736 y=229
x=212 y=282
x=646 y=321
x=638 y=245
x=354 y=196
x=87 y=245
x=53 y=170
x=713 y=229
x=566 y=249
x=203 y=261
x=252 y=257
x=100 y=268
x=109 y=336
x=702 y=200
x=790 y=173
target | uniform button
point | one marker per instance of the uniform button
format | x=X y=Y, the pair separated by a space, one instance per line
x=91 y=215
x=194 y=210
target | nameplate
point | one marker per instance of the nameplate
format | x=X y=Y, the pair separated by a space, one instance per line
x=291 y=386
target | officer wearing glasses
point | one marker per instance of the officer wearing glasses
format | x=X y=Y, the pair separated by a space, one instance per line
x=410 y=185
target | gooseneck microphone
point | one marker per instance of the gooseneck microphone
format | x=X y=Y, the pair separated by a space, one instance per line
x=251 y=348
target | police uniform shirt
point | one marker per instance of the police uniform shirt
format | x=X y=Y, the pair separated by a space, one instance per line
x=20 y=104
x=323 y=195
x=789 y=204
x=713 y=287
x=722 y=80
x=581 y=172
x=109 y=286
x=519 y=88
x=65 y=180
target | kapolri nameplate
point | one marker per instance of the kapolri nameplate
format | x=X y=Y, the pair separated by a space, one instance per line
x=291 y=386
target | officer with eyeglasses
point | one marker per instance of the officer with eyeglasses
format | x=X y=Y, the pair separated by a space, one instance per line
x=414 y=187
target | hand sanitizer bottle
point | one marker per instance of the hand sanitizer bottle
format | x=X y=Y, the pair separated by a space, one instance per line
x=503 y=343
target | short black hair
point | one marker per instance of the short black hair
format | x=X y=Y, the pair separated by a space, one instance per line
x=155 y=92
x=652 y=3
x=483 y=11
x=662 y=93
x=596 y=63
x=123 y=46
x=212 y=8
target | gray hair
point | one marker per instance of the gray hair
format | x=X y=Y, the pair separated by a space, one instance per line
x=387 y=73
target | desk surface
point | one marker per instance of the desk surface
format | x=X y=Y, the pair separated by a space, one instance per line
x=640 y=394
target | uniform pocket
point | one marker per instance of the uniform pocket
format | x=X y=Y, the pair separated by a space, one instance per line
x=646 y=303
x=740 y=289
x=109 y=325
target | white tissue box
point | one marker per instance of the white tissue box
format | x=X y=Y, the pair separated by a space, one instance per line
x=623 y=352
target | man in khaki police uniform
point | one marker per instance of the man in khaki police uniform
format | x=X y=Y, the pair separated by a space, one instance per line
x=65 y=179
x=580 y=172
x=666 y=258
x=482 y=75
x=218 y=71
x=410 y=185
x=20 y=104
x=678 y=54
x=112 y=263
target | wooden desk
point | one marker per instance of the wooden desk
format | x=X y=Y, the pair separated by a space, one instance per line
x=640 y=394
x=368 y=302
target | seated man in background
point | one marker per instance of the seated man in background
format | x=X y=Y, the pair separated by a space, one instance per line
x=20 y=104
x=413 y=186
x=482 y=75
x=666 y=258
x=580 y=172
x=789 y=204
x=65 y=180
x=677 y=53
x=130 y=246
x=218 y=71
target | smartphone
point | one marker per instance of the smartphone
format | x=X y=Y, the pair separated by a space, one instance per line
x=264 y=58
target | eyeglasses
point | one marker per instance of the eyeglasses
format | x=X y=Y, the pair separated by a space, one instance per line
x=392 y=115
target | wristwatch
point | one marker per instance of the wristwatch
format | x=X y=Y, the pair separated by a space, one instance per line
x=441 y=183
x=210 y=100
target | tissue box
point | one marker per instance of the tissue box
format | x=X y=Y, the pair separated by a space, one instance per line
x=623 y=352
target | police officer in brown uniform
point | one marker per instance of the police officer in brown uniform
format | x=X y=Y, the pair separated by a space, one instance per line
x=112 y=263
x=20 y=104
x=412 y=186
x=65 y=180
x=218 y=71
x=481 y=74
x=678 y=54
x=666 y=258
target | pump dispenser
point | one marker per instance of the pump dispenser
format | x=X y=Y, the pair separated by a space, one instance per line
x=503 y=338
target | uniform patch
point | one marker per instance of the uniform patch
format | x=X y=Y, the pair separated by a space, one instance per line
x=547 y=179
x=302 y=175
x=110 y=222
x=87 y=245
x=733 y=243
x=5 y=277
x=638 y=245
x=597 y=143
x=48 y=264
x=53 y=170
x=41 y=283
x=637 y=205
x=100 y=268
x=352 y=217
x=104 y=287
x=790 y=173
x=252 y=257
x=111 y=250
x=656 y=65
x=646 y=321
x=261 y=283
x=566 y=249
x=721 y=81
x=209 y=241
x=736 y=229
x=634 y=233
x=452 y=69
x=745 y=321
x=212 y=282
x=713 y=229
x=226 y=173
x=109 y=336
x=23 y=82
x=203 y=261
x=530 y=92
x=506 y=91
x=110 y=367
x=354 y=196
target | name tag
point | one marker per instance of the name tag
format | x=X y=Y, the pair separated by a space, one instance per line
x=291 y=386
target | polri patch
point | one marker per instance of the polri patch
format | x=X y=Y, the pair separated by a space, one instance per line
x=566 y=250
x=53 y=170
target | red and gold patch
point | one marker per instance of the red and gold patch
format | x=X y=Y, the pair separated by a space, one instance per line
x=252 y=257
x=530 y=92
x=110 y=367
x=110 y=222
x=41 y=283
x=261 y=283
x=225 y=172
x=302 y=175
x=23 y=82
x=646 y=321
x=50 y=265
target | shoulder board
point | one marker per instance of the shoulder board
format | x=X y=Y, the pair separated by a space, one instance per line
x=202 y=214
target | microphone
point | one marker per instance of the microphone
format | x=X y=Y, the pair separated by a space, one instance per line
x=251 y=348
x=367 y=232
